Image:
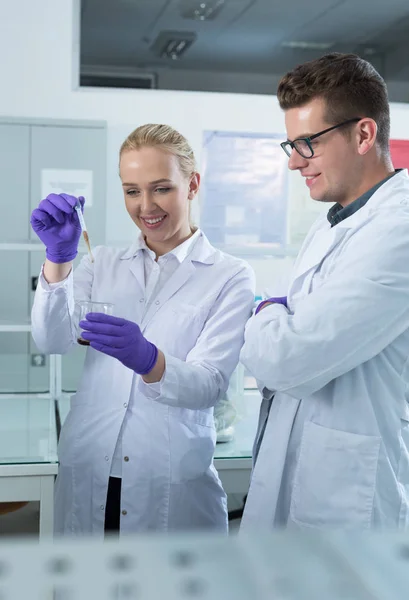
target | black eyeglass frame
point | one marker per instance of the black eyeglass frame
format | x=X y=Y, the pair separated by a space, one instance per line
x=308 y=140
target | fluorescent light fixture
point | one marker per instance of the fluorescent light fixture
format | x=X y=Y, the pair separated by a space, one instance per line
x=370 y=51
x=173 y=44
x=308 y=45
x=200 y=10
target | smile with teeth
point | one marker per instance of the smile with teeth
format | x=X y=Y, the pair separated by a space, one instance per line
x=154 y=221
x=310 y=179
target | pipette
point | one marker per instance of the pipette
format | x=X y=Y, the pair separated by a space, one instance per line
x=84 y=229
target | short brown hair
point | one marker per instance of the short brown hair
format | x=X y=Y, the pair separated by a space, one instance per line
x=350 y=86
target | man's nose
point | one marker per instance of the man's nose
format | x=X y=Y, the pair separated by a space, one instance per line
x=296 y=161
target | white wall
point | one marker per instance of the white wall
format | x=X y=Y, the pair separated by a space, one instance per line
x=38 y=39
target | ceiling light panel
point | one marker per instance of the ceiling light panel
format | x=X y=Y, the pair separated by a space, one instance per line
x=201 y=10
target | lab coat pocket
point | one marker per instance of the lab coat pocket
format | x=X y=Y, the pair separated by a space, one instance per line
x=335 y=478
x=191 y=447
x=181 y=334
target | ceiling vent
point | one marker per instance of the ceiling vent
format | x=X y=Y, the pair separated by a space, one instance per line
x=173 y=44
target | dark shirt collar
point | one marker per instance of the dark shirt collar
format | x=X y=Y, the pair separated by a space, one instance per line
x=337 y=213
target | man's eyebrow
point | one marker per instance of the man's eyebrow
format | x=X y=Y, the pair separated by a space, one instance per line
x=302 y=135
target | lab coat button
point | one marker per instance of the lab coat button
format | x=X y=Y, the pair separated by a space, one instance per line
x=107 y=458
x=126 y=458
x=157 y=302
x=124 y=512
x=142 y=300
x=102 y=507
x=125 y=404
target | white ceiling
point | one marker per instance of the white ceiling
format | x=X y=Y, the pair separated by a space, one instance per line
x=247 y=35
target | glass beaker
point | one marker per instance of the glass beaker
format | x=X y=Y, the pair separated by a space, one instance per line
x=82 y=308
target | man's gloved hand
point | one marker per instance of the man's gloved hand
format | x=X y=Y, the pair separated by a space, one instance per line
x=56 y=223
x=264 y=303
x=121 y=339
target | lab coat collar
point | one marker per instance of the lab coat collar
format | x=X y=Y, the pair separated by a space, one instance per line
x=389 y=194
x=202 y=250
x=323 y=239
x=389 y=191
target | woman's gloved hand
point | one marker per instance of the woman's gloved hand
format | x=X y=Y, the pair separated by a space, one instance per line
x=56 y=223
x=121 y=339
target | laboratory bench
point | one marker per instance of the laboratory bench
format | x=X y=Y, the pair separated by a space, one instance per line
x=28 y=453
x=29 y=427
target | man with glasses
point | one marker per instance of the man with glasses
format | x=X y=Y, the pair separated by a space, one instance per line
x=332 y=357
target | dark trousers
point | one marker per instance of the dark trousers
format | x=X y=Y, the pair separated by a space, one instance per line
x=113 y=505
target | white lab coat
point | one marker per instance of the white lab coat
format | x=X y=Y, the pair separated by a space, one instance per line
x=335 y=449
x=197 y=320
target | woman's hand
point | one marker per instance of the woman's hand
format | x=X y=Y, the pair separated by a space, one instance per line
x=121 y=339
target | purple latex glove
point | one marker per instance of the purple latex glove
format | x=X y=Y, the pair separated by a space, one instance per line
x=56 y=223
x=282 y=301
x=121 y=339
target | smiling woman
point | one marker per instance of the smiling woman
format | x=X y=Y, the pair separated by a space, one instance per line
x=136 y=450
x=159 y=179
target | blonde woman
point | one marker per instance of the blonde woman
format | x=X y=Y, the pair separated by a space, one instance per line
x=136 y=448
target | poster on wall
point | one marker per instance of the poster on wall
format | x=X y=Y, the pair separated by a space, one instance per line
x=400 y=153
x=75 y=182
x=244 y=191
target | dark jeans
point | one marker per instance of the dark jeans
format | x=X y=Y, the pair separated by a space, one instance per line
x=113 y=505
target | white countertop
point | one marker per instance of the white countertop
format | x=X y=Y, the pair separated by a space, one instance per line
x=245 y=427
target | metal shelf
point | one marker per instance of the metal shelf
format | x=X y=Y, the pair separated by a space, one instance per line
x=15 y=327
x=32 y=247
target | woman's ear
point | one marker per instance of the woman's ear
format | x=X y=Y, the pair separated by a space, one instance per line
x=194 y=185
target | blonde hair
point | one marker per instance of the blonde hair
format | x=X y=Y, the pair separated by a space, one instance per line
x=166 y=138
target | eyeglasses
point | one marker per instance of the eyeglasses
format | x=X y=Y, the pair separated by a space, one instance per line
x=303 y=145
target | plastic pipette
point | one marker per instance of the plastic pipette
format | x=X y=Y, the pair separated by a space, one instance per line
x=84 y=229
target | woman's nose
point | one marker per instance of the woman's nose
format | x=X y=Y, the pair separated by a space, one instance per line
x=146 y=203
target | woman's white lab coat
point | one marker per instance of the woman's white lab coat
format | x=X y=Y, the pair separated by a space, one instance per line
x=168 y=434
x=335 y=449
